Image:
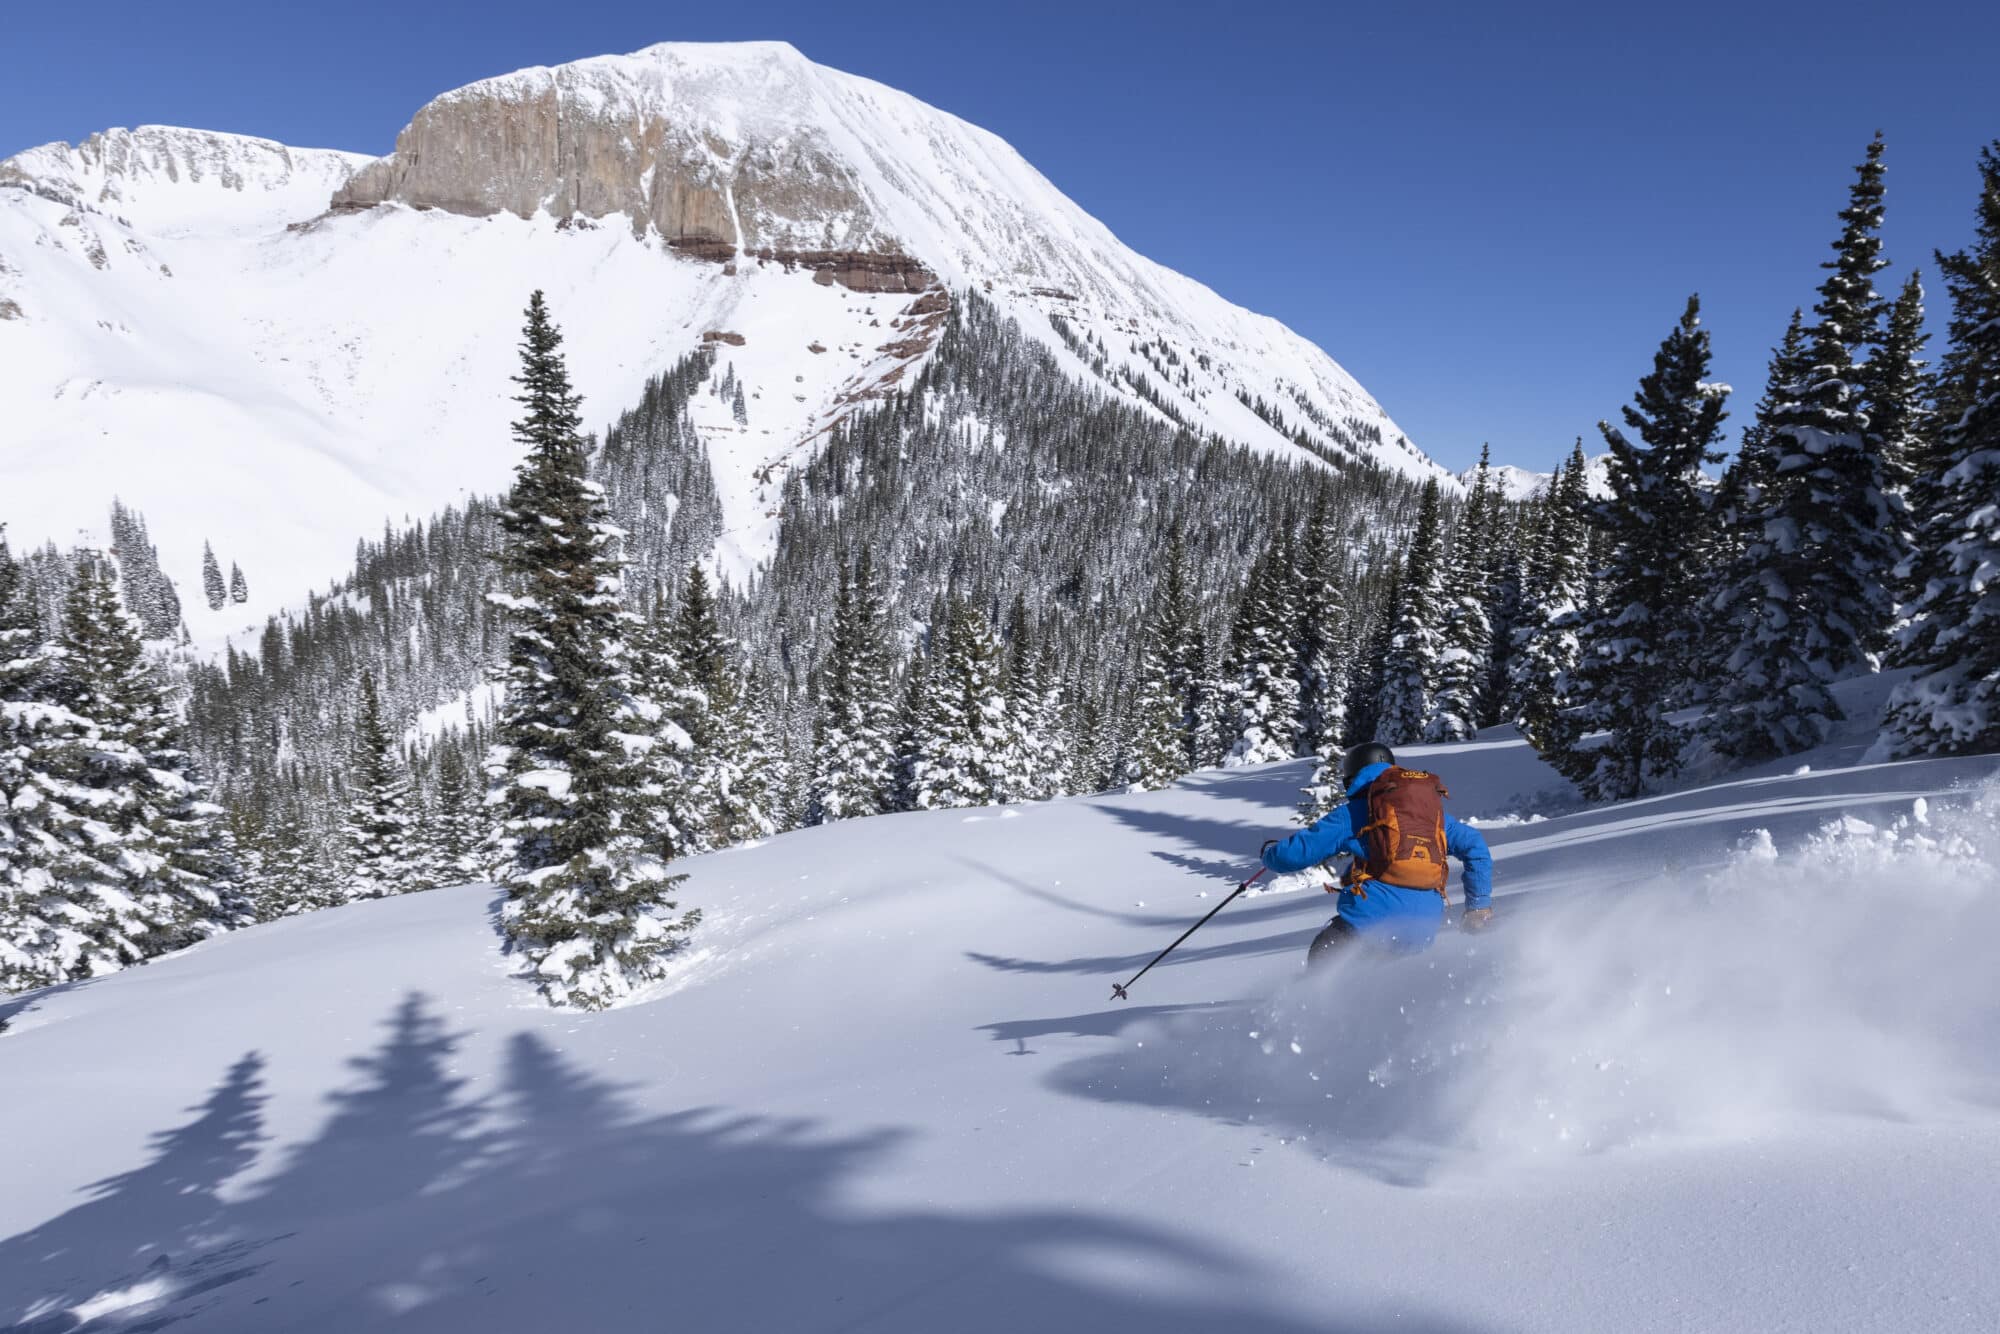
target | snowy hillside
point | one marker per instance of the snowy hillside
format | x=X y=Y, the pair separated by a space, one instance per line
x=183 y=322
x=1523 y=484
x=1698 y=1077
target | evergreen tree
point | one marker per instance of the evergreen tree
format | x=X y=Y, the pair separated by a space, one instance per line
x=587 y=903
x=239 y=587
x=1262 y=673
x=148 y=591
x=382 y=856
x=963 y=724
x=1176 y=627
x=1415 y=643
x=1321 y=639
x=456 y=830
x=1324 y=678
x=723 y=802
x=1553 y=602
x=754 y=777
x=679 y=812
x=211 y=579
x=1160 y=729
x=1027 y=767
x=855 y=747
x=910 y=721
x=1636 y=649
x=102 y=853
x=1768 y=700
x=1466 y=640
x=1376 y=622
x=31 y=914
x=1830 y=517
x=297 y=871
x=1746 y=484
x=1050 y=724
x=1951 y=704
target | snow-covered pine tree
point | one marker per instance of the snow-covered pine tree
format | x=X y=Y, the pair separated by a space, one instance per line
x=1515 y=529
x=211 y=579
x=1746 y=483
x=725 y=799
x=1026 y=767
x=1375 y=618
x=854 y=751
x=1323 y=664
x=1830 y=511
x=1321 y=637
x=148 y=591
x=1176 y=626
x=1635 y=649
x=1766 y=699
x=738 y=408
x=382 y=856
x=1262 y=671
x=1466 y=638
x=239 y=587
x=754 y=778
x=1415 y=645
x=30 y=916
x=910 y=711
x=1951 y=704
x=1553 y=600
x=588 y=904
x=105 y=874
x=455 y=831
x=963 y=725
x=1159 y=728
x=678 y=817
x=1051 y=722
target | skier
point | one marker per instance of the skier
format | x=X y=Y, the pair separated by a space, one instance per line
x=1393 y=825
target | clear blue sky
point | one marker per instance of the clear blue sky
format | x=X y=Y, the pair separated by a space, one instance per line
x=1489 y=213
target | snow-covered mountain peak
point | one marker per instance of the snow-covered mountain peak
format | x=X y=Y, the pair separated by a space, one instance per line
x=178 y=306
x=736 y=152
x=168 y=179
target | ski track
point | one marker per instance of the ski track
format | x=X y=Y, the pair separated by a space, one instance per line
x=1723 y=1089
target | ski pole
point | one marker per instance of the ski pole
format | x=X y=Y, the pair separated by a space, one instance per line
x=1118 y=992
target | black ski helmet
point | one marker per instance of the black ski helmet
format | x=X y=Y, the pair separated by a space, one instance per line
x=1373 y=752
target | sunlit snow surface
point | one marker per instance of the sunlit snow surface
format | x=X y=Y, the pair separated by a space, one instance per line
x=1698 y=1077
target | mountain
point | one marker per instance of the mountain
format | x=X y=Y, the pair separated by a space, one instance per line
x=1691 y=1080
x=276 y=350
x=1523 y=484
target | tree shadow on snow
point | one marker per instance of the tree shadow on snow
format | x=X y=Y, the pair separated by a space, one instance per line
x=551 y=1203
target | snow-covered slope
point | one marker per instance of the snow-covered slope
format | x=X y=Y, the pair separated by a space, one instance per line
x=1523 y=484
x=185 y=323
x=1698 y=1077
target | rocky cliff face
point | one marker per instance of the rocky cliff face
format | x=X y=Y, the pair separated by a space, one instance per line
x=664 y=145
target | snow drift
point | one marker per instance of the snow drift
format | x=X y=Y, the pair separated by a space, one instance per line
x=1848 y=977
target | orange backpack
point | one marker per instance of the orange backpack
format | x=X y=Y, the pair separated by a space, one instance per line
x=1404 y=839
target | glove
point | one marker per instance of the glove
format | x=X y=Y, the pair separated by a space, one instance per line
x=1475 y=919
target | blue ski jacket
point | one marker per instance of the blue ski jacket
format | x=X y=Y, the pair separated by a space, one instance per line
x=1404 y=919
